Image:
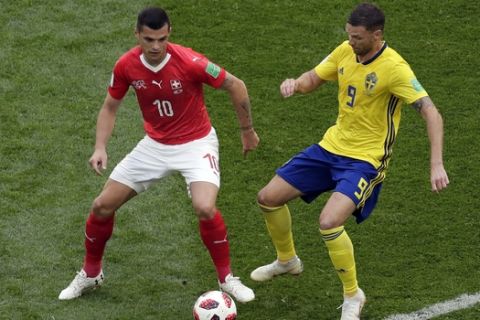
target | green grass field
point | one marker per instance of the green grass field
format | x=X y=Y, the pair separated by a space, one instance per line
x=56 y=57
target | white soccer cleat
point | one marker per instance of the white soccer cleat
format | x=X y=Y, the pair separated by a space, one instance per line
x=234 y=287
x=80 y=284
x=352 y=306
x=267 y=272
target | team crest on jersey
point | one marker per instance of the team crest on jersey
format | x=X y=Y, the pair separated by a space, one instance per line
x=370 y=82
x=176 y=86
x=139 y=84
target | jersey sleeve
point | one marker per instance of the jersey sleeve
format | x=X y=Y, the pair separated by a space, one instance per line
x=205 y=71
x=118 y=83
x=405 y=85
x=327 y=69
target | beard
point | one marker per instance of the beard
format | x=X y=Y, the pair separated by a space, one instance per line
x=361 y=51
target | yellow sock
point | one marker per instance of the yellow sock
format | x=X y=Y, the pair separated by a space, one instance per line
x=340 y=249
x=279 y=225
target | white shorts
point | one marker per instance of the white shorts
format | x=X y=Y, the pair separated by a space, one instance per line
x=151 y=161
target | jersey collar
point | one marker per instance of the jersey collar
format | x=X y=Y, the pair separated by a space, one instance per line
x=375 y=56
x=156 y=68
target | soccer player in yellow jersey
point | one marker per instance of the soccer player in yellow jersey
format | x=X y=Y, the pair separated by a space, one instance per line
x=373 y=83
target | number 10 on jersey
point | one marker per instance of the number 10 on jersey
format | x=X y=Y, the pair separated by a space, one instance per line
x=164 y=107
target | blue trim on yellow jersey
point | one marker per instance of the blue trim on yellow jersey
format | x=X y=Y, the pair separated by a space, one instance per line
x=375 y=56
x=390 y=138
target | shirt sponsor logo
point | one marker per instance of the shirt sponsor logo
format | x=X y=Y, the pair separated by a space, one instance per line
x=212 y=69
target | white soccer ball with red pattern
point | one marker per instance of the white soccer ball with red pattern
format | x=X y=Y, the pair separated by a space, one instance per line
x=214 y=305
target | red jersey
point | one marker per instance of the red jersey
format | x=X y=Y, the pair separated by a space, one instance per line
x=170 y=95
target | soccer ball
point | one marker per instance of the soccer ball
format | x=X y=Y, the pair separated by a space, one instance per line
x=214 y=305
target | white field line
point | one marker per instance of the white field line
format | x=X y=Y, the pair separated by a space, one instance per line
x=464 y=301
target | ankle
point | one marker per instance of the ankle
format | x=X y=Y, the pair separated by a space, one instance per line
x=287 y=261
x=223 y=273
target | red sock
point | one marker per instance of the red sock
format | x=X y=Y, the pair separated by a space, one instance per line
x=214 y=236
x=97 y=232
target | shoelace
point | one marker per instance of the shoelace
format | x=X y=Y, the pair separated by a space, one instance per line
x=234 y=283
x=235 y=280
x=79 y=278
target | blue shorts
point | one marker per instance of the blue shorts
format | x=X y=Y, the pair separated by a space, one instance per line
x=315 y=170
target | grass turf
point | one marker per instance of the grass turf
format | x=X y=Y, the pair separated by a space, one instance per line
x=417 y=249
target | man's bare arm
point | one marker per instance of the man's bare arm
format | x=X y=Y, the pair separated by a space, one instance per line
x=306 y=83
x=428 y=111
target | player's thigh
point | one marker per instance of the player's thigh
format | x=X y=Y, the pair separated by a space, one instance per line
x=356 y=182
x=204 y=197
x=199 y=161
x=307 y=174
x=112 y=197
x=277 y=192
x=147 y=163
x=336 y=211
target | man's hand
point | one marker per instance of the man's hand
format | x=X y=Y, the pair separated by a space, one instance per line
x=250 y=140
x=438 y=177
x=98 y=161
x=288 y=87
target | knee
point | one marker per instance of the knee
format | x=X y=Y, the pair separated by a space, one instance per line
x=265 y=198
x=205 y=210
x=101 y=208
x=327 y=222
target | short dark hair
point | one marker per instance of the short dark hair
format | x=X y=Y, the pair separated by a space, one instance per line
x=368 y=16
x=152 y=17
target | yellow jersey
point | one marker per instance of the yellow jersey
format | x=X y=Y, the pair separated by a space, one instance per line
x=370 y=97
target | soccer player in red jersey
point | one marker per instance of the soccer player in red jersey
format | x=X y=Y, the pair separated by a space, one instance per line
x=168 y=82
